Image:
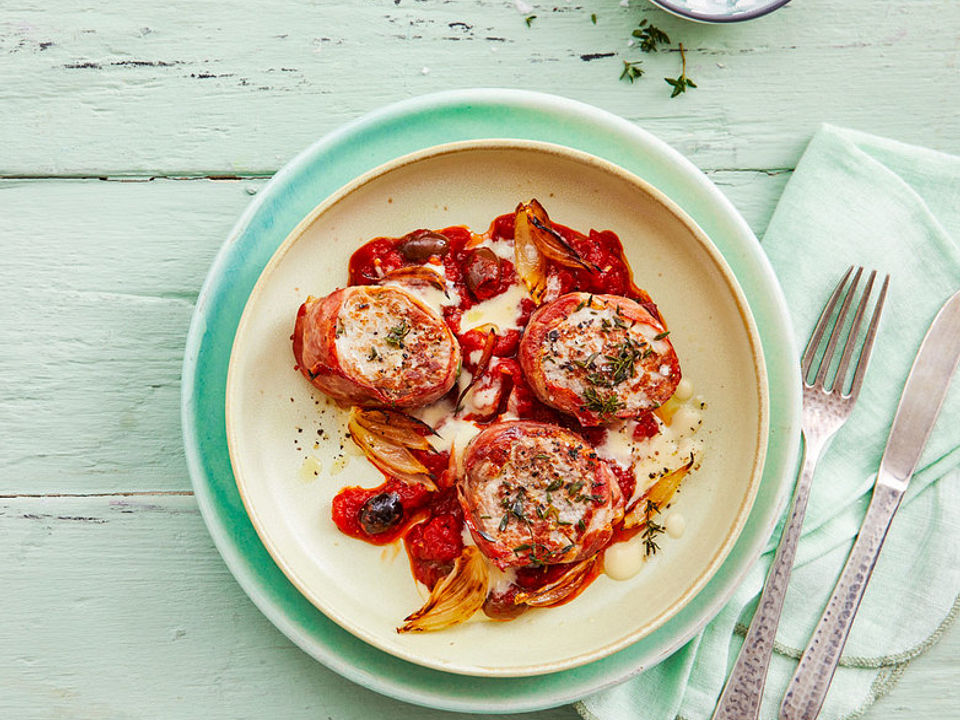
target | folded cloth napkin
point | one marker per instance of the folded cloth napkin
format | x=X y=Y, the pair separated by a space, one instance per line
x=854 y=199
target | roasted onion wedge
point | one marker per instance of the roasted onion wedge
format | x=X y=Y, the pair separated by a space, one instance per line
x=550 y=242
x=531 y=263
x=566 y=587
x=455 y=598
x=660 y=494
x=414 y=275
x=393 y=459
x=397 y=427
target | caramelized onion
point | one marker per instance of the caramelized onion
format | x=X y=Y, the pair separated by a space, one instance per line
x=396 y=427
x=415 y=276
x=531 y=264
x=564 y=588
x=660 y=494
x=551 y=243
x=394 y=460
x=455 y=598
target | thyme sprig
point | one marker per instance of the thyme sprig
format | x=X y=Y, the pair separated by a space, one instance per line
x=651 y=530
x=650 y=36
x=397 y=333
x=681 y=83
x=601 y=404
x=631 y=70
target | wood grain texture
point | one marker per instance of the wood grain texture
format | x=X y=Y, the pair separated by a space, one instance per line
x=218 y=87
x=141 y=619
x=120 y=607
x=114 y=602
x=96 y=293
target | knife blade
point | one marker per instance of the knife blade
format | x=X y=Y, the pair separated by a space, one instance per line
x=920 y=403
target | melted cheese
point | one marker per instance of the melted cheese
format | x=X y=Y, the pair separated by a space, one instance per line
x=654 y=457
x=623 y=560
x=502 y=310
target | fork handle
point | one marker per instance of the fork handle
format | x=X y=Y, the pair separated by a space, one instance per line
x=743 y=692
x=808 y=686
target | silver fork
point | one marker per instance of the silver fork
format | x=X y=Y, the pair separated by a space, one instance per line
x=826 y=407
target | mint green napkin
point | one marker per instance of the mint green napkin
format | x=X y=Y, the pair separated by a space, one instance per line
x=854 y=199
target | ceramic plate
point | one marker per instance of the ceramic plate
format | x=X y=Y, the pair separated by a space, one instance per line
x=276 y=211
x=283 y=444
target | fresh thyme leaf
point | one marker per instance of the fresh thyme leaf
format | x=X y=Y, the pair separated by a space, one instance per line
x=681 y=83
x=572 y=488
x=397 y=333
x=593 y=18
x=555 y=485
x=662 y=335
x=503 y=522
x=631 y=70
x=529 y=19
x=373 y=354
x=650 y=36
x=652 y=529
x=601 y=404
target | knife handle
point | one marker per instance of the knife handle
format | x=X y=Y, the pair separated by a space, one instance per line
x=808 y=686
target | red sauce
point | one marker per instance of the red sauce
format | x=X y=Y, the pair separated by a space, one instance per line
x=432 y=525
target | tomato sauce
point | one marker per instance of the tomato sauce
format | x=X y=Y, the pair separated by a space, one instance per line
x=432 y=527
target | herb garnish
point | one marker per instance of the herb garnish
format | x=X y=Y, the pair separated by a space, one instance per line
x=631 y=70
x=652 y=529
x=601 y=404
x=662 y=335
x=373 y=354
x=681 y=83
x=397 y=333
x=593 y=18
x=529 y=19
x=650 y=36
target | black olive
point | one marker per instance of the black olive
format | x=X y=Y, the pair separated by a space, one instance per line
x=421 y=245
x=381 y=513
x=482 y=268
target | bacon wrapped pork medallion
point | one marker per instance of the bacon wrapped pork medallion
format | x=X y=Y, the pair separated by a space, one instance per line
x=375 y=347
x=599 y=357
x=536 y=494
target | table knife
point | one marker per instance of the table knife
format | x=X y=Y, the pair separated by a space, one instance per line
x=920 y=404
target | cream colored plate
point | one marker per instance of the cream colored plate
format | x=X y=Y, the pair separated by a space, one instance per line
x=273 y=414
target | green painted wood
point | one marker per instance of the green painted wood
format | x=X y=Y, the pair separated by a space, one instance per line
x=120 y=607
x=174 y=87
x=114 y=603
x=140 y=618
x=97 y=288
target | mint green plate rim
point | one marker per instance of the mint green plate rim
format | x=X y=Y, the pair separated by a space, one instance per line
x=302 y=184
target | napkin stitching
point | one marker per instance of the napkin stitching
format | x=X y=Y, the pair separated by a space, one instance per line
x=881 y=661
x=885 y=681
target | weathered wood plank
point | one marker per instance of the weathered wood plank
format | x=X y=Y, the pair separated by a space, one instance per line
x=97 y=287
x=120 y=607
x=103 y=88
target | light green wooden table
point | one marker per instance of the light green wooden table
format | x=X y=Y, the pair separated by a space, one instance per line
x=134 y=136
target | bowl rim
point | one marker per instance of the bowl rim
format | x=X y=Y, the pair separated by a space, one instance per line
x=761 y=439
x=713 y=18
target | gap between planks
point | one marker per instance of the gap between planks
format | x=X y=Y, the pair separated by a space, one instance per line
x=139 y=493
x=268 y=174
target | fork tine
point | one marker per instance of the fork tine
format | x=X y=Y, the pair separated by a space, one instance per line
x=868 y=343
x=851 y=342
x=811 y=350
x=837 y=329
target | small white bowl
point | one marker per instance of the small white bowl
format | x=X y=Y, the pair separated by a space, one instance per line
x=720 y=11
